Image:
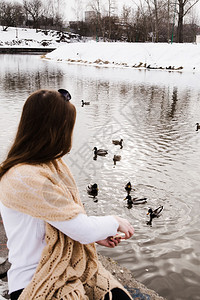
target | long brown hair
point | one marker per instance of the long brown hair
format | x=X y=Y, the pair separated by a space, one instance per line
x=44 y=132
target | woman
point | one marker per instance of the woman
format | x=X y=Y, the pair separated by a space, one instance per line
x=51 y=240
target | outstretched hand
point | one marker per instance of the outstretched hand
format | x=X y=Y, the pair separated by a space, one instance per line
x=110 y=242
x=124 y=227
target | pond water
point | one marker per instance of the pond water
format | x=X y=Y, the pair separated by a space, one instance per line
x=155 y=113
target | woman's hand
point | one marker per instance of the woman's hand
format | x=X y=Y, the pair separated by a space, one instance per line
x=125 y=227
x=110 y=242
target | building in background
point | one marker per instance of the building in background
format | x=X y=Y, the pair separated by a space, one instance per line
x=197 y=39
x=89 y=15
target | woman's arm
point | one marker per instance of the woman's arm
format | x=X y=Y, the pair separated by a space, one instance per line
x=88 y=229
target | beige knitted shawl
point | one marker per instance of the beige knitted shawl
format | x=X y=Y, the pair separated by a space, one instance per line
x=67 y=269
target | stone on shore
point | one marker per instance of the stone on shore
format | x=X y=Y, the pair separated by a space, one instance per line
x=124 y=276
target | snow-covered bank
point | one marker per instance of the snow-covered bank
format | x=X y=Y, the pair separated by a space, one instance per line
x=182 y=57
x=26 y=37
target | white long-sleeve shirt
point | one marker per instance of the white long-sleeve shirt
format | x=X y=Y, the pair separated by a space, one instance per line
x=26 y=239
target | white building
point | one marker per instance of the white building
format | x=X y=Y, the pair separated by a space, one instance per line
x=89 y=15
x=197 y=39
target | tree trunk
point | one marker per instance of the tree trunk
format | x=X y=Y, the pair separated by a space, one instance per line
x=168 y=20
x=156 y=20
x=180 y=21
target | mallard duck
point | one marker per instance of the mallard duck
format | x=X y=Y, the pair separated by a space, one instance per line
x=135 y=201
x=85 y=103
x=129 y=200
x=198 y=126
x=100 y=152
x=139 y=201
x=128 y=187
x=116 y=142
x=92 y=190
x=116 y=158
x=154 y=213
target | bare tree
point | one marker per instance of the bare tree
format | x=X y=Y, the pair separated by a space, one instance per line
x=160 y=17
x=34 y=9
x=51 y=16
x=168 y=20
x=96 y=7
x=156 y=19
x=111 y=9
x=150 y=20
x=10 y=14
x=128 y=21
x=184 y=6
x=78 y=10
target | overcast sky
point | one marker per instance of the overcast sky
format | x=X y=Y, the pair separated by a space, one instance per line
x=74 y=9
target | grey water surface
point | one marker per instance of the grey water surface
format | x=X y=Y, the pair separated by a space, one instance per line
x=155 y=113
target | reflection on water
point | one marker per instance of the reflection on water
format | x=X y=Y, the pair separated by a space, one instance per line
x=26 y=73
x=155 y=114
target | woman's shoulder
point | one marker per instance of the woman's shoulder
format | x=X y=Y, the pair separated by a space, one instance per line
x=41 y=171
x=25 y=169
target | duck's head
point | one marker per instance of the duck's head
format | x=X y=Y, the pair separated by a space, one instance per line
x=94 y=149
x=150 y=211
x=95 y=186
x=197 y=124
x=128 y=197
x=128 y=187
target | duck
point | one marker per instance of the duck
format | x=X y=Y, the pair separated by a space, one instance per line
x=129 y=200
x=118 y=142
x=128 y=187
x=92 y=190
x=154 y=213
x=100 y=152
x=116 y=158
x=135 y=201
x=85 y=103
x=198 y=126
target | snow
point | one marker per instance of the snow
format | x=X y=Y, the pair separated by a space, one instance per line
x=181 y=57
x=71 y=49
x=25 y=37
